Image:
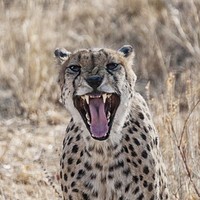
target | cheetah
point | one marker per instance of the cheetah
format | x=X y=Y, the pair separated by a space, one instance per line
x=111 y=147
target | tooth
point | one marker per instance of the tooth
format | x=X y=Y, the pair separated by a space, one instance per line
x=83 y=97
x=88 y=121
x=87 y=99
x=108 y=95
x=87 y=116
x=108 y=116
x=104 y=97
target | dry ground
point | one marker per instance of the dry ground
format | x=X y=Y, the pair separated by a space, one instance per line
x=166 y=37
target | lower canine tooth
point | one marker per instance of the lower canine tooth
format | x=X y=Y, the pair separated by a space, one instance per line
x=108 y=116
x=87 y=116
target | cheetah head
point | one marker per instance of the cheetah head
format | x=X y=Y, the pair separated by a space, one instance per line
x=96 y=87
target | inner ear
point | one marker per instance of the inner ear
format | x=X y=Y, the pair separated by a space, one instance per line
x=61 y=54
x=126 y=50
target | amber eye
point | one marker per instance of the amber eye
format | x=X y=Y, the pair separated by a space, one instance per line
x=112 y=66
x=74 y=68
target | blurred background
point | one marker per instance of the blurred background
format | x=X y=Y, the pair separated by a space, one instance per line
x=166 y=38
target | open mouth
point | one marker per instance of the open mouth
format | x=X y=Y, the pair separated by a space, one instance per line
x=98 y=112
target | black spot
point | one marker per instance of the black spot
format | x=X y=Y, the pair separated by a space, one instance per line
x=141 y=116
x=70 y=161
x=143 y=136
x=72 y=174
x=136 y=141
x=150 y=187
x=153 y=176
x=95 y=194
x=65 y=177
x=140 y=197
x=78 y=161
x=119 y=164
x=88 y=185
x=88 y=166
x=155 y=141
x=130 y=130
x=78 y=137
x=61 y=174
x=128 y=160
x=125 y=149
x=135 y=179
x=137 y=123
x=63 y=156
x=141 y=177
x=73 y=184
x=146 y=170
x=121 y=198
x=75 y=148
x=118 y=185
x=110 y=176
x=72 y=127
x=127 y=138
x=148 y=147
x=134 y=154
x=81 y=154
x=80 y=174
x=152 y=197
x=75 y=190
x=100 y=151
x=70 y=140
x=126 y=124
x=85 y=196
x=149 y=127
x=93 y=176
x=139 y=161
x=127 y=187
x=145 y=129
x=111 y=168
x=145 y=184
x=67 y=129
x=99 y=166
x=126 y=172
x=62 y=187
x=137 y=189
x=70 y=197
x=134 y=164
x=144 y=154
x=66 y=190
x=76 y=129
x=118 y=153
x=130 y=146
x=134 y=129
x=103 y=179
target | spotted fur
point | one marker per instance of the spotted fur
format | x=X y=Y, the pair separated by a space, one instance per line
x=128 y=164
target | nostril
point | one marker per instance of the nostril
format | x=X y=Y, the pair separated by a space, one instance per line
x=94 y=81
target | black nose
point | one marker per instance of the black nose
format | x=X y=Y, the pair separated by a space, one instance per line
x=94 y=81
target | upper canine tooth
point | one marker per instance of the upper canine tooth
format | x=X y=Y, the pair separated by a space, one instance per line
x=87 y=99
x=104 y=97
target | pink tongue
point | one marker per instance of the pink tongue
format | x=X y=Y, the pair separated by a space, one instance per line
x=99 y=123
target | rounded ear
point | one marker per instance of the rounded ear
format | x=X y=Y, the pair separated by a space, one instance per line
x=61 y=54
x=126 y=50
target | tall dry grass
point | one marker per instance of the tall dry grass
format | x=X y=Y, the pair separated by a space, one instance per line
x=166 y=37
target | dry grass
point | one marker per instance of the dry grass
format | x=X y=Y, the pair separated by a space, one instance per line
x=166 y=37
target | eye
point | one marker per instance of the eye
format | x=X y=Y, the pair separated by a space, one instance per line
x=74 y=68
x=112 y=66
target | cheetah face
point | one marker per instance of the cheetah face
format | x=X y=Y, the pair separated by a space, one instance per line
x=97 y=84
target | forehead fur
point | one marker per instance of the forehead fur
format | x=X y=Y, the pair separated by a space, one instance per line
x=95 y=57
